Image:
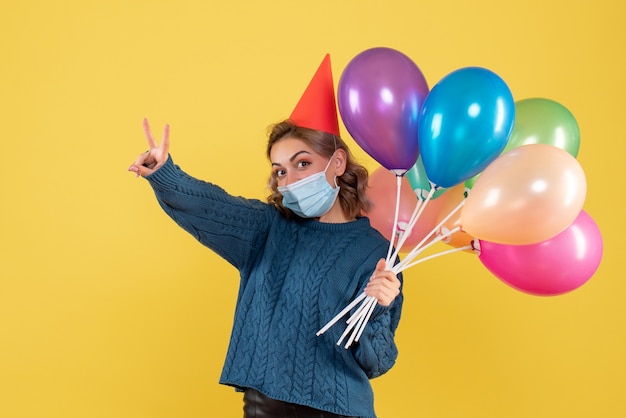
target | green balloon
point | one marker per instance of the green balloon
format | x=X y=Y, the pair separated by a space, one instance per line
x=544 y=121
x=419 y=181
x=469 y=183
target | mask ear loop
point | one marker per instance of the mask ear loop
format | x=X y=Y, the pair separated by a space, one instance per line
x=335 y=140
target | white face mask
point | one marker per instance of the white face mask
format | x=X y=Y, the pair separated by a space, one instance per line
x=312 y=196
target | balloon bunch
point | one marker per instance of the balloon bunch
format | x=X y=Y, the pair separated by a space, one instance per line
x=501 y=176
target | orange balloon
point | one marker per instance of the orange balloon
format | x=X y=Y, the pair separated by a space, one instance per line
x=527 y=195
x=450 y=200
x=381 y=191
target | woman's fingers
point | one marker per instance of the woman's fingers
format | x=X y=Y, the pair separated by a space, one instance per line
x=149 y=137
x=384 y=285
x=141 y=165
x=140 y=170
x=156 y=155
x=380 y=266
x=142 y=158
x=165 y=142
x=383 y=294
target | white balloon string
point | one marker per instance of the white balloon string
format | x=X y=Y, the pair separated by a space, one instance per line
x=358 y=312
x=438 y=238
x=395 y=218
x=342 y=313
x=345 y=333
x=407 y=229
x=356 y=320
x=367 y=318
x=358 y=325
x=430 y=257
x=417 y=212
x=417 y=249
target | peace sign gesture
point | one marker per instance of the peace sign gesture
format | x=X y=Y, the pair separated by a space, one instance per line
x=149 y=161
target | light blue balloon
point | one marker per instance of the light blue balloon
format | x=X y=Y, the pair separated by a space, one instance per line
x=465 y=123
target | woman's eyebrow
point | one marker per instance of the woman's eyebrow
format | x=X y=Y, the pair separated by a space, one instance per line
x=293 y=157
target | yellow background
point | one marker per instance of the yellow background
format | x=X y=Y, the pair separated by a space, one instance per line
x=107 y=309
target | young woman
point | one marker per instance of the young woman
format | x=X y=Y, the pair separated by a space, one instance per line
x=303 y=256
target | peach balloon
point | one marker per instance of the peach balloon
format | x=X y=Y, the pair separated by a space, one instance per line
x=525 y=196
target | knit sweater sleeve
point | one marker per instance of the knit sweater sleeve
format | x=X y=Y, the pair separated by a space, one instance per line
x=233 y=227
x=376 y=351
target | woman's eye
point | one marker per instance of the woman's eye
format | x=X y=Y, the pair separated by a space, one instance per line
x=302 y=164
x=280 y=173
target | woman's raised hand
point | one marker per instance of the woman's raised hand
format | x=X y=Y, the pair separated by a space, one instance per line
x=149 y=161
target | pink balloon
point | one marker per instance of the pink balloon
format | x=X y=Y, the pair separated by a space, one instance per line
x=548 y=268
x=381 y=191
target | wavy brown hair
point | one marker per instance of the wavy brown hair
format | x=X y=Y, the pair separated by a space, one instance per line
x=352 y=183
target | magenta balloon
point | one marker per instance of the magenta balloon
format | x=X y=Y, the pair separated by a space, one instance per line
x=548 y=268
x=380 y=97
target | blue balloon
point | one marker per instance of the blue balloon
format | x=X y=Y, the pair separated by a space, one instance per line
x=465 y=123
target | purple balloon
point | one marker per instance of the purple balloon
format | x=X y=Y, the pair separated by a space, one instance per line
x=548 y=268
x=380 y=97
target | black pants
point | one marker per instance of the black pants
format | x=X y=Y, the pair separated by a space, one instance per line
x=257 y=405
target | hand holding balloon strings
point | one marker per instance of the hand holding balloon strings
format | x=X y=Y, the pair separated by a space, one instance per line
x=359 y=319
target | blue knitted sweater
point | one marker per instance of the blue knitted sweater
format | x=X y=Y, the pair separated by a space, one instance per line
x=296 y=275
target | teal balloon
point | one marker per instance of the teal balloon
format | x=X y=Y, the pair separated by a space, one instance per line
x=419 y=181
x=544 y=121
x=465 y=123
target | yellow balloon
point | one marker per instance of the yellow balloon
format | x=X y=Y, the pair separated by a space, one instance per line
x=527 y=195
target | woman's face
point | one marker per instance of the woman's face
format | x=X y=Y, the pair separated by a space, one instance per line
x=293 y=160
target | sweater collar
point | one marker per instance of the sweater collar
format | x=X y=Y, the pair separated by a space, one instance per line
x=361 y=223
